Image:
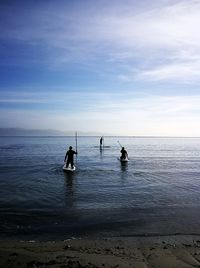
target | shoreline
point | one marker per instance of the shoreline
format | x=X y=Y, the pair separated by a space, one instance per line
x=137 y=251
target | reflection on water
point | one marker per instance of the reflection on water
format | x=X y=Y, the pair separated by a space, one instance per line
x=69 y=189
x=101 y=153
x=124 y=166
x=162 y=177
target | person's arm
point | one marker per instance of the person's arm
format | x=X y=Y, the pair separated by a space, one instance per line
x=66 y=156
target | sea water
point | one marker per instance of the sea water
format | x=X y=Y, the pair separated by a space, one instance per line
x=156 y=193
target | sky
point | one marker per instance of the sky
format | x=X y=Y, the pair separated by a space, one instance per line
x=114 y=67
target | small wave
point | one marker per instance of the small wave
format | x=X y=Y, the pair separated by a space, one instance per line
x=12 y=147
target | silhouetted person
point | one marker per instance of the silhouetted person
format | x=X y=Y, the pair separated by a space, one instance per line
x=124 y=154
x=70 y=157
x=101 y=142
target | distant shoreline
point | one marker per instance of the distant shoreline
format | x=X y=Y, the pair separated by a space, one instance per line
x=105 y=136
x=21 y=132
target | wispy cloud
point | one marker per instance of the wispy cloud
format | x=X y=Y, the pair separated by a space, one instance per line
x=135 y=115
x=161 y=41
x=103 y=55
x=187 y=72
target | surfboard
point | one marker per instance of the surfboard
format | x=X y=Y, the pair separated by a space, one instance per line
x=69 y=168
x=102 y=146
x=123 y=160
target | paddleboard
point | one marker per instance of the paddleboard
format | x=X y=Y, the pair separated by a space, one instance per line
x=123 y=159
x=102 y=146
x=69 y=168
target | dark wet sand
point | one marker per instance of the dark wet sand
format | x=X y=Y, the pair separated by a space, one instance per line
x=140 y=252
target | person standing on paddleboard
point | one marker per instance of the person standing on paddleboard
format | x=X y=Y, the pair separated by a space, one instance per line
x=101 y=143
x=124 y=153
x=70 y=157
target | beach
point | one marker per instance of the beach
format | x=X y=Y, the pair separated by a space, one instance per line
x=139 y=252
x=105 y=214
x=99 y=134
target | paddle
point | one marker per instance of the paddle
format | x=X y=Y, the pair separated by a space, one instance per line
x=122 y=147
x=120 y=144
x=76 y=138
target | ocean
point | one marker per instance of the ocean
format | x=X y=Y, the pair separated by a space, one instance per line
x=156 y=193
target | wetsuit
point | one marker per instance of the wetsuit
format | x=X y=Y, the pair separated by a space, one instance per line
x=101 y=141
x=124 y=154
x=70 y=157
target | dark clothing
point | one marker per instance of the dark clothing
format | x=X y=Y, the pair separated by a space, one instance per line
x=70 y=157
x=101 y=141
x=124 y=154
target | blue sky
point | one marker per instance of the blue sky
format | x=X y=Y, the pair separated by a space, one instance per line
x=118 y=67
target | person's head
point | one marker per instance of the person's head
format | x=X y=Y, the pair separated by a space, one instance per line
x=70 y=147
x=122 y=148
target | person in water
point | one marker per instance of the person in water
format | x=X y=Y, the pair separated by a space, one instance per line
x=124 y=154
x=70 y=157
x=101 y=142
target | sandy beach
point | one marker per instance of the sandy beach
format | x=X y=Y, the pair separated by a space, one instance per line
x=140 y=252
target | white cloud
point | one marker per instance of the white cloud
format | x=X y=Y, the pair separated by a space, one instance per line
x=162 y=43
x=188 y=72
x=115 y=114
x=154 y=41
x=160 y=39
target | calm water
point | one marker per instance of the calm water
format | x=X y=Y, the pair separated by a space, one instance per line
x=156 y=192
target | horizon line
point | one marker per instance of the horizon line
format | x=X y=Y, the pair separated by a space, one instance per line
x=109 y=136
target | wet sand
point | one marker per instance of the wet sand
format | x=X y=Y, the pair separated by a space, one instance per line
x=140 y=252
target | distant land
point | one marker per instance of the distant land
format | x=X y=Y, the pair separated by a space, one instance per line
x=8 y=132
x=43 y=132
